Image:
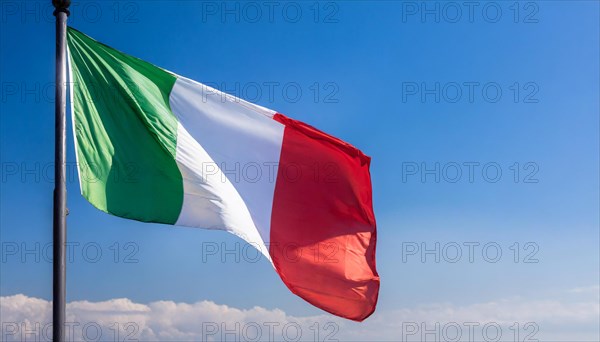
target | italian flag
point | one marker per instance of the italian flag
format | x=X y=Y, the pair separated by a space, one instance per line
x=154 y=146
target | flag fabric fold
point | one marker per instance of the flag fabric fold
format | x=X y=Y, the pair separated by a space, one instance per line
x=154 y=146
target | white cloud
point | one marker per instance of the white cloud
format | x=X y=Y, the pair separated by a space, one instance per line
x=586 y=289
x=572 y=317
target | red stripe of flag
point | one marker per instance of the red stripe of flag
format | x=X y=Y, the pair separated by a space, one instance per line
x=323 y=231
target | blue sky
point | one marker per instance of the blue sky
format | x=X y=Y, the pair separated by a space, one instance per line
x=384 y=76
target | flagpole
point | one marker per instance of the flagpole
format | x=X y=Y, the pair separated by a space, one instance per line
x=59 y=276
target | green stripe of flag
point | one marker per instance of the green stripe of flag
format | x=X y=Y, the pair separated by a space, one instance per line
x=126 y=134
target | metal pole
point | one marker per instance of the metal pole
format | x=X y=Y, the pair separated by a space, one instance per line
x=60 y=188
